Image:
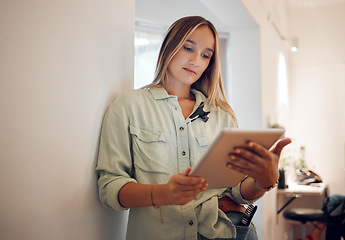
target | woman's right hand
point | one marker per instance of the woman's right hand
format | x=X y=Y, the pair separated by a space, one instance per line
x=181 y=188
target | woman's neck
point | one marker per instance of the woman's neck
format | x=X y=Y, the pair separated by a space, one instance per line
x=182 y=93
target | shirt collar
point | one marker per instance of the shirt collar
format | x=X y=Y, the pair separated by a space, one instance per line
x=159 y=93
x=199 y=96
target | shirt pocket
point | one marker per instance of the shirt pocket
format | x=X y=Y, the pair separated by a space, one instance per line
x=203 y=142
x=150 y=150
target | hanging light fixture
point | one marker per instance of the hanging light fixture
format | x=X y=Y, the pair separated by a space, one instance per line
x=293 y=44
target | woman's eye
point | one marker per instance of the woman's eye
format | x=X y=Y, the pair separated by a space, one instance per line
x=205 y=56
x=188 y=49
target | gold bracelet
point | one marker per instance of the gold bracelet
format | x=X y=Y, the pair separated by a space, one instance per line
x=269 y=188
x=152 y=198
x=156 y=206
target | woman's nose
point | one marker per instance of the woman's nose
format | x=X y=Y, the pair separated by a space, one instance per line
x=194 y=60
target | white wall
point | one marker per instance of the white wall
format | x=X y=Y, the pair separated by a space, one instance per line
x=318 y=88
x=244 y=89
x=61 y=63
x=270 y=15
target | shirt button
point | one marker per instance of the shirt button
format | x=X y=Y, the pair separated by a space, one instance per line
x=183 y=153
x=181 y=128
x=191 y=222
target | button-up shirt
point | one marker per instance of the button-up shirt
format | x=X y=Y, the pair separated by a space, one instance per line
x=146 y=139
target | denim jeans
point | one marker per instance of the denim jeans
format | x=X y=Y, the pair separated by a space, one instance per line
x=335 y=223
x=334 y=200
x=242 y=232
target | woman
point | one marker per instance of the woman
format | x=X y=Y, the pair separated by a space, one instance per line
x=149 y=144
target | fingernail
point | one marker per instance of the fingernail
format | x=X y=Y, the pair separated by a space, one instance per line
x=229 y=165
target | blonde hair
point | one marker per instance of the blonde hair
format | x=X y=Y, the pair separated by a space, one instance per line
x=210 y=83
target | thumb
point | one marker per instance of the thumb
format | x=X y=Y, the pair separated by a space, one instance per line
x=280 y=145
x=185 y=173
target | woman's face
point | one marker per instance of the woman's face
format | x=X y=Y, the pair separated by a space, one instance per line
x=189 y=63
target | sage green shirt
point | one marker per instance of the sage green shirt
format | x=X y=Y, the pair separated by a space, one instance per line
x=145 y=139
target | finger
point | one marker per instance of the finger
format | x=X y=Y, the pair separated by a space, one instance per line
x=243 y=162
x=245 y=156
x=280 y=145
x=182 y=196
x=195 y=187
x=186 y=173
x=258 y=149
x=181 y=180
x=247 y=171
x=195 y=180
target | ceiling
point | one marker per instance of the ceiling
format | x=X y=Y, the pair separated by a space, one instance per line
x=312 y=3
x=226 y=15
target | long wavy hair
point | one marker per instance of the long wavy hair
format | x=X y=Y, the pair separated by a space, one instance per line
x=210 y=83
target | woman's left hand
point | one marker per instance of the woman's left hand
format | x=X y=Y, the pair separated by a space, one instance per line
x=257 y=162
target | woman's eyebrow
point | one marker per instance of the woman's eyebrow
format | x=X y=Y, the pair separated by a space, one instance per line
x=194 y=43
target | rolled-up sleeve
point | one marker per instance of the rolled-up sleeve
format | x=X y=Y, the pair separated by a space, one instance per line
x=235 y=194
x=114 y=167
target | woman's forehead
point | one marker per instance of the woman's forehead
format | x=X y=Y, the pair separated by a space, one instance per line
x=202 y=37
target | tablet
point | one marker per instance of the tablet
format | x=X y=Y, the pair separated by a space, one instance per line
x=212 y=166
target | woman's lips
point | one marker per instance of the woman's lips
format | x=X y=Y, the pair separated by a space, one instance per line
x=189 y=70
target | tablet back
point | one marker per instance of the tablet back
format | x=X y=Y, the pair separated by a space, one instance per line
x=213 y=167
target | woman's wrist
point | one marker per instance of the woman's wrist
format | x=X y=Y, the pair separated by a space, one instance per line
x=267 y=187
x=252 y=189
x=153 y=201
x=142 y=195
x=158 y=194
x=249 y=190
